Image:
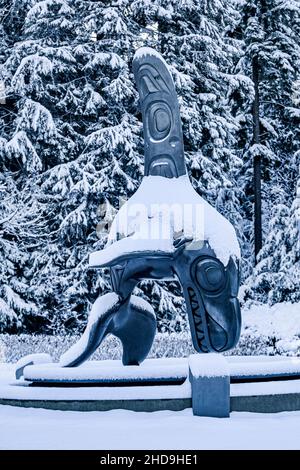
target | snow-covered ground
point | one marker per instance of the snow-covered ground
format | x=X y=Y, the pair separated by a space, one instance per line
x=46 y=429
x=28 y=428
x=23 y=428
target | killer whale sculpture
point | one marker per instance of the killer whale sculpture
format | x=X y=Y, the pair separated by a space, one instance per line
x=206 y=264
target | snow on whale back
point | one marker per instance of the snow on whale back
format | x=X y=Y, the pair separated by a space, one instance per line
x=171 y=205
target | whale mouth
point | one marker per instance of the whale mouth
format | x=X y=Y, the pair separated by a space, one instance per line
x=214 y=311
x=210 y=335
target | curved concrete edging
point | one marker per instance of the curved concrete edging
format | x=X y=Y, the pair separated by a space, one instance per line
x=266 y=403
x=258 y=384
x=148 y=405
x=255 y=404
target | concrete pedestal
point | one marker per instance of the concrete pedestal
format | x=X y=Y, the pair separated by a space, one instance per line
x=210 y=381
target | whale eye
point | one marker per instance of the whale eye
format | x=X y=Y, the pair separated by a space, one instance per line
x=211 y=274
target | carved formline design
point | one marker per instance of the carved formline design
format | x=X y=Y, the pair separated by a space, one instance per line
x=195 y=307
x=164 y=154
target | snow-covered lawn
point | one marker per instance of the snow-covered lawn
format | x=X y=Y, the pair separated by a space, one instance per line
x=265 y=330
x=23 y=428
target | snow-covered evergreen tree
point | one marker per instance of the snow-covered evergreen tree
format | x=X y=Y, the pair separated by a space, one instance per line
x=269 y=34
x=288 y=289
x=260 y=283
x=34 y=139
x=21 y=229
x=71 y=140
x=74 y=128
x=276 y=278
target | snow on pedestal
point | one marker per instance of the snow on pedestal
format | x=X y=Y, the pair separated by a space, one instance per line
x=109 y=371
x=208 y=365
x=199 y=381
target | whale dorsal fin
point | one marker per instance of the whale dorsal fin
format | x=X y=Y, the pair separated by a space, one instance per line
x=163 y=140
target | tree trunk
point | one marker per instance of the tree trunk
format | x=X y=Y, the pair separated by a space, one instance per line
x=256 y=161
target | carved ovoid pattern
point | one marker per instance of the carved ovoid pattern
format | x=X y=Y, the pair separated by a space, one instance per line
x=162 y=126
x=210 y=275
x=151 y=81
x=158 y=120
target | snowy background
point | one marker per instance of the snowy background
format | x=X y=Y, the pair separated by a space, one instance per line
x=71 y=143
x=71 y=146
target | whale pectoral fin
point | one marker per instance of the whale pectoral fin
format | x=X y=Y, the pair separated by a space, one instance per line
x=136 y=330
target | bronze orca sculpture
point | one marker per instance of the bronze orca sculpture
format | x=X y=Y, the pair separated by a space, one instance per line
x=166 y=231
